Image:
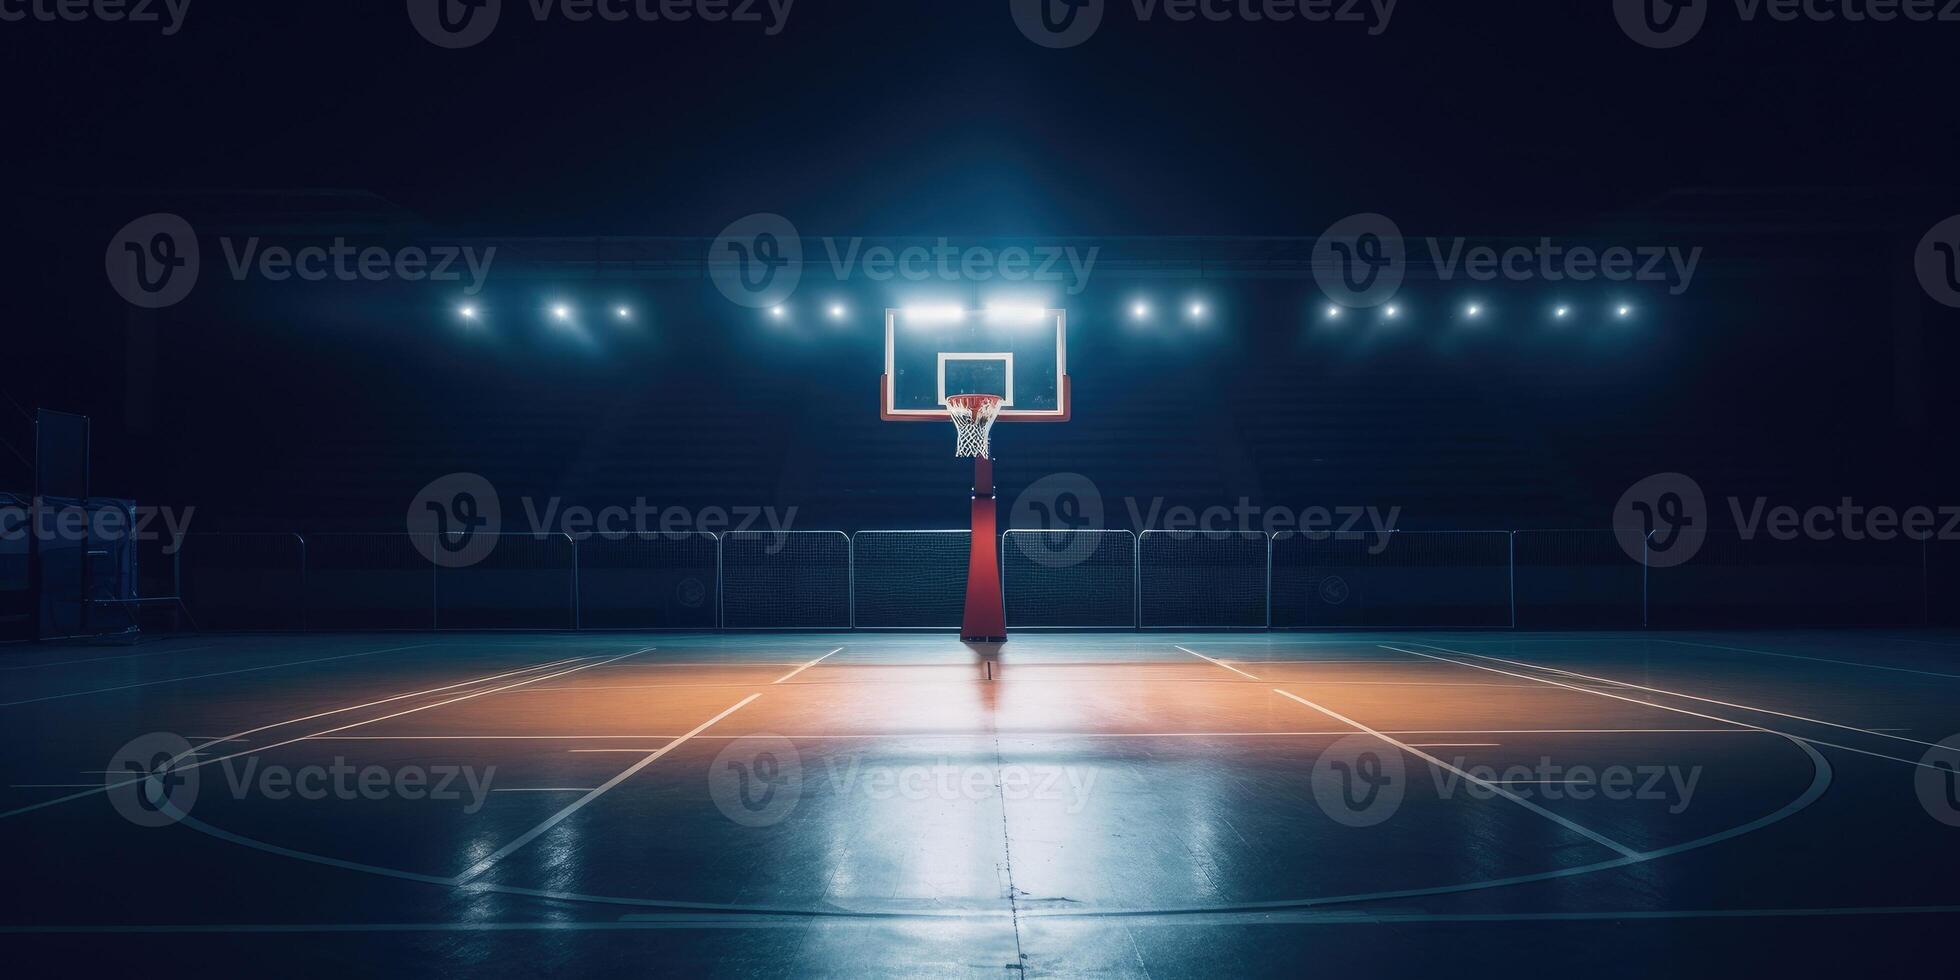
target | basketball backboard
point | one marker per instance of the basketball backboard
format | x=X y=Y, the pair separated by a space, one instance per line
x=935 y=353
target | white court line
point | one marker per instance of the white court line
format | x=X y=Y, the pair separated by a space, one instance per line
x=1315 y=662
x=1596 y=838
x=235 y=738
x=1170 y=918
x=221 y=673
x=1821 y=660
x=410 y=711
x=805 y=667
x=1691 y=697
x=555 y=819
x=653 y=664
x=641 y=687
x=1650 y=704
x=1010 y=733
x=1320 y=682
x=123 y=656
x=1022 y=669
x=240 y=736
x=1215 y=661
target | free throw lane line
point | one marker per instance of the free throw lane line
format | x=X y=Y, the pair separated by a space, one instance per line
x=1215 y=661
x=555 y=819
x=1597 y=838
x=807 y=666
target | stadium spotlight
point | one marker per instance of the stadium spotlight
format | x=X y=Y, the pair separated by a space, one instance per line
x=467 y=311
x=1473 y=311
x=1562 y=312
x=1333 y=311
x=561 y=313
x=837 y=311
x=1625 y=311
x=1391 y=311
x=1140 y=311
x=624 y=312
x=1197 y=311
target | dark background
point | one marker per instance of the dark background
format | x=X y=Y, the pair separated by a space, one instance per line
x=1805 y=364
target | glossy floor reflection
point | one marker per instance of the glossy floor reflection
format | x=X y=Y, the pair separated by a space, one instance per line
x=1116 y=804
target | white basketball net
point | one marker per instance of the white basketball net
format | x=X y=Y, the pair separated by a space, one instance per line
x=973 y=416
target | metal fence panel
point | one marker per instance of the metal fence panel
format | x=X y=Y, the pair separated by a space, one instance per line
x=369 y=582
x=244 y=581
x=1204 y=579
x=652 y=581
x=1082 y=579
x=1400 y=579
x=526 y=581
x=1567 y=579
x=786 y=580
x=909 y=579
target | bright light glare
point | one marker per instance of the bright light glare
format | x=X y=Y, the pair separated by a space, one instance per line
x=624 y=312
x=1333 y=313
x=1140 y=311
x=778 y=312
x=1392 y=312
x=1197 y=311
x=1016 y=312
x=1563 y=312
x=1474 y=311
x=837 y=311
x=1626 y=311
x=935 y=314
x=467 y=312
x=561 y=313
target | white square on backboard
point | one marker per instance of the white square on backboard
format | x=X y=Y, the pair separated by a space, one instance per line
x=1006 y=358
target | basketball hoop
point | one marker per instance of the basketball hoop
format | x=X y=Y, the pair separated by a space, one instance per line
x=973 y=416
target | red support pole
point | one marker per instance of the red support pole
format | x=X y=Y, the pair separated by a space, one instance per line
x=986 y=617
